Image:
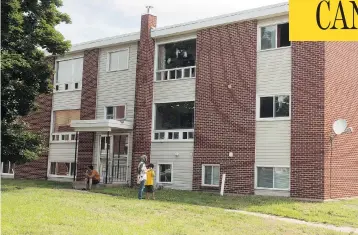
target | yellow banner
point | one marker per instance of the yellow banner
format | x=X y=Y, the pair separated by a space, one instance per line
x=323 y=20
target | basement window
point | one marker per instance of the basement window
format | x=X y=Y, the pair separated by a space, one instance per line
x=210 y=175
x=274 y=36
x=62 y=168
x=273 y=177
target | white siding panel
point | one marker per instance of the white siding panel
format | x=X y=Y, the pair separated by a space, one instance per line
x=182 y=175
x=117 y=87
x=273 y=143
x=174 y=91
x=62 y=152
x=66 y=100
x=275 y=193
x=274 y=71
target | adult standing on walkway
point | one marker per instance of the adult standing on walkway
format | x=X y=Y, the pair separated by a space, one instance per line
x=142 y=175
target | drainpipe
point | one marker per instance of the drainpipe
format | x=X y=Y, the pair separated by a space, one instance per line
x=76 y=145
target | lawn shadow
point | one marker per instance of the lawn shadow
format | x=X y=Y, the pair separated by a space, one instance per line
x=8 y=185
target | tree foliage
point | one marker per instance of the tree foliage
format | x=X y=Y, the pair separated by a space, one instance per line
x=27 y=29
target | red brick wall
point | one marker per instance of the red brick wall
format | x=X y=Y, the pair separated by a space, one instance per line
x=341 y=101
x=225 y=117
x=144 y=93
x=40 y=122
x=88 y=110
x=307 y=120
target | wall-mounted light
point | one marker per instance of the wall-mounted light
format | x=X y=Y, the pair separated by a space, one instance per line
x=231 y=154
x=176 y=154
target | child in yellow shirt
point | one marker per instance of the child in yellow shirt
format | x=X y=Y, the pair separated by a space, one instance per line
x=149 y=184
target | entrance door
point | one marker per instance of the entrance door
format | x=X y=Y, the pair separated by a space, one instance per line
x=117 y=158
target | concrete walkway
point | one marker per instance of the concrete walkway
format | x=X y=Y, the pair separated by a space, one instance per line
x=296 y=221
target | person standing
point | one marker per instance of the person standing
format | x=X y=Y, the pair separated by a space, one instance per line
x=149 y=184
x=142 y=175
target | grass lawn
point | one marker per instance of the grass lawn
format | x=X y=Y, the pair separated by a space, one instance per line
x=43 y=207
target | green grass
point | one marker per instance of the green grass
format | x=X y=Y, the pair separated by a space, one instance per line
x=42 y=207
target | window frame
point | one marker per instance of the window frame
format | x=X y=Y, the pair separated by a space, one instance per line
x=163 y=42
x=276 y=23
x=172 y=130
x=109 y=59
x=57 y=85
x=115 y=112
x=158 y=172
x=273 y=177
x=258 y=107
x=203 y=175
x=60 y=176
x=11 y=166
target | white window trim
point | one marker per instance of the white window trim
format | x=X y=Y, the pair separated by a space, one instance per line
x=162 y=42
x=259 y=26
x=109 y=58
x=60 y=137
x=115 y=111
x=203 y=175
x=158 y=173
x=180 y=130
x=110 y=144
x=71 y=83
x=7 y=174
x=258 y=105
x=59 y=176
x=273 y=182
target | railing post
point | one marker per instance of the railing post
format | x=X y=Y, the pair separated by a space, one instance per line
x=76 y=145
x=107 y=140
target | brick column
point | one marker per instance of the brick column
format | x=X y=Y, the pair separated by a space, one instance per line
x=225 y=104
x=307 y=120
x=341 y=101
x=88 y=110
x=40 y=122
x=144 y=93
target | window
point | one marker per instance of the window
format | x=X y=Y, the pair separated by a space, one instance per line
x=273 y=177
x=118 y=60
x=176 y=60
x=165 y=173
x=63 y=118
x=274 y=106
x=211 y=175
x=275 y=36
x=69 y=72
x=178 y=115
x=118 y=112
x=62 y=168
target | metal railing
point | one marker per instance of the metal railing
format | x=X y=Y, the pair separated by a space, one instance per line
x=176 y=73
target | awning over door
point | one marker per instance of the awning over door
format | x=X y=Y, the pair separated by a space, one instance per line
x=101 y=125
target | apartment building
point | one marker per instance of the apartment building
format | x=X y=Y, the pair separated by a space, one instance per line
x=223 y=95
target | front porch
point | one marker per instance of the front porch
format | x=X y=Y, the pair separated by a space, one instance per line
x=112 y=152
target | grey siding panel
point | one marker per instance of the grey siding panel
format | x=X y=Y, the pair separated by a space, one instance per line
x=273 y=143
x=116 y=87
x=67 y=100
x=176 y=90
x=62 y=152
x=274 y=71
x=182 y=165
x=276 y=193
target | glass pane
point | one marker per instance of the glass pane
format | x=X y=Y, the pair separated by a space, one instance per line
x=170 y=135
x=282 y=106
x=282 y=177
x=156 y=136
x=165 y=173
x=159 y=76
x=77 y=69
x=179 y=73
x=123 y=59
x=283 y=35
x=114 y=61
x=177 y=115
x=266 y=107
x=172 y=74
x=268 y=37
x=176 y=135
x=208 y=174
x=53 y=168
x=161 y=135
x=191 y=135
x=216 y=175
x=186 y=73
x=265 y=177
x=177 y=54
x=64 y=71
x=185 y=135
x=110 y=112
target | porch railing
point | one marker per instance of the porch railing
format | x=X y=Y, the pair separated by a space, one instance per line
x=116 y=173
x=176 y=73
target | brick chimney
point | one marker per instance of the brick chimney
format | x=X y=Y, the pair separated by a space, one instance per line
x=144 y=92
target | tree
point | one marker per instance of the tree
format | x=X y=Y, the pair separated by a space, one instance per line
x=27 y=29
